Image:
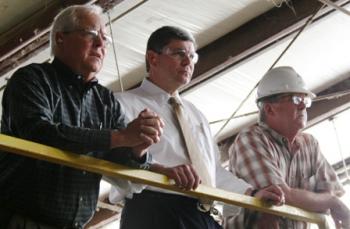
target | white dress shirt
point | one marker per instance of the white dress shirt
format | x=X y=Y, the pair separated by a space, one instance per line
x=171 y=150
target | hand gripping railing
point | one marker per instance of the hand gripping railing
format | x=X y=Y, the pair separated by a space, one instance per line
x=47 y=153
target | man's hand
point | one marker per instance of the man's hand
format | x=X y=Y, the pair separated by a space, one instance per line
x=140 y=133
x=152 y=128
x=185 y=176
x=272 y=194
x=146 y=128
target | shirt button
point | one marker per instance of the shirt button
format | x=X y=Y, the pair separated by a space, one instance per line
x=76 y=224
x=84 y=172
x=81 y=199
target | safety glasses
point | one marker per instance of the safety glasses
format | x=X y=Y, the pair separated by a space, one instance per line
x=295 y=99
x=181 y=54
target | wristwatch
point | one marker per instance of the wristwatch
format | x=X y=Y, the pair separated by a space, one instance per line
x=140 y=163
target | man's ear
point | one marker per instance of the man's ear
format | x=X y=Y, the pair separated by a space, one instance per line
x=59 y=38
x=152 y=58
x=269 y=109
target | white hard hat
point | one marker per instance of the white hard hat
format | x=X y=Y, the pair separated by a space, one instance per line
x=281 y=80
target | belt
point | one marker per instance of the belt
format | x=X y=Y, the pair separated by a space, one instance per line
x=174 y=197
x=166 y=196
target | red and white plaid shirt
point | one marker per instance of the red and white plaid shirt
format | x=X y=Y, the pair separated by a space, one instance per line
x=261 y=157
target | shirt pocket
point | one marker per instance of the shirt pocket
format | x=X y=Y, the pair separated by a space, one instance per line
x=199 y=135
x=204 y=142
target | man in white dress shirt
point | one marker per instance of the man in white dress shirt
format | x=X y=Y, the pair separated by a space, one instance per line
x=170 y=60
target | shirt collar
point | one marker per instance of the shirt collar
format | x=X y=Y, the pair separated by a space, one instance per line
x=279 y=138
x=158 y=93
x=71 y=77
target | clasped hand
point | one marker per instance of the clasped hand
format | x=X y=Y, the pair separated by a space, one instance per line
x=142 y=132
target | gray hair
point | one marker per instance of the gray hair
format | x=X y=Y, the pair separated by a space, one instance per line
x=269 y=99
x=68 y=19
x=262 y=114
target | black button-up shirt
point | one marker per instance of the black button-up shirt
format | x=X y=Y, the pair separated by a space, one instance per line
x=49 y=104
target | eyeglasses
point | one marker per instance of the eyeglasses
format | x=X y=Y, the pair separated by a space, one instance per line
x=306 y=100
x=93 y=35
x=181 y=54
x=297 y=99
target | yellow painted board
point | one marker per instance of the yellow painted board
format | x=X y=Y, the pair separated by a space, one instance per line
x=82 y=162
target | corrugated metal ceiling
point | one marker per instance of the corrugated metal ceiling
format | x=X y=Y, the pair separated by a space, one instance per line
x=320 y=55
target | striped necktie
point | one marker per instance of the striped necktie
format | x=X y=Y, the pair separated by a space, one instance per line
x=194 y=153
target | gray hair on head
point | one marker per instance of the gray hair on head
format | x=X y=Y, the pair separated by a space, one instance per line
x=262 y=114
x=69 y=19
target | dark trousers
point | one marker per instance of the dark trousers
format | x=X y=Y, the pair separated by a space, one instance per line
x=155 y=210
x=21 y=222
x=10 y=220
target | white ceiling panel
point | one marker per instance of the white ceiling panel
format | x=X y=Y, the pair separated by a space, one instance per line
x=206 y=20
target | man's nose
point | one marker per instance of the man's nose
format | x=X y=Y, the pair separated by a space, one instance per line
x=186 y=60
x=99 y=40
x=301 y=106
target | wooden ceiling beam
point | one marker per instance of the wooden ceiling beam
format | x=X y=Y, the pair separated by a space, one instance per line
x=32 y=36
x=254 y=36
x=338 y=101
x=31 y=29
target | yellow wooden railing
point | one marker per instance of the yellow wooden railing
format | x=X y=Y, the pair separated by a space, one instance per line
x=47 y=153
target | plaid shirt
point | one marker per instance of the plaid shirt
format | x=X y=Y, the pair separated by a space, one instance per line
x=49 y=104
x=261 y=157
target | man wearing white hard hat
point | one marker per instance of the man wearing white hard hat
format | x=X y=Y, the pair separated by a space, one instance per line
x=275 y=151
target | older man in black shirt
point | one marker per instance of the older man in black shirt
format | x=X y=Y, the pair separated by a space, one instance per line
x=61 y=104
